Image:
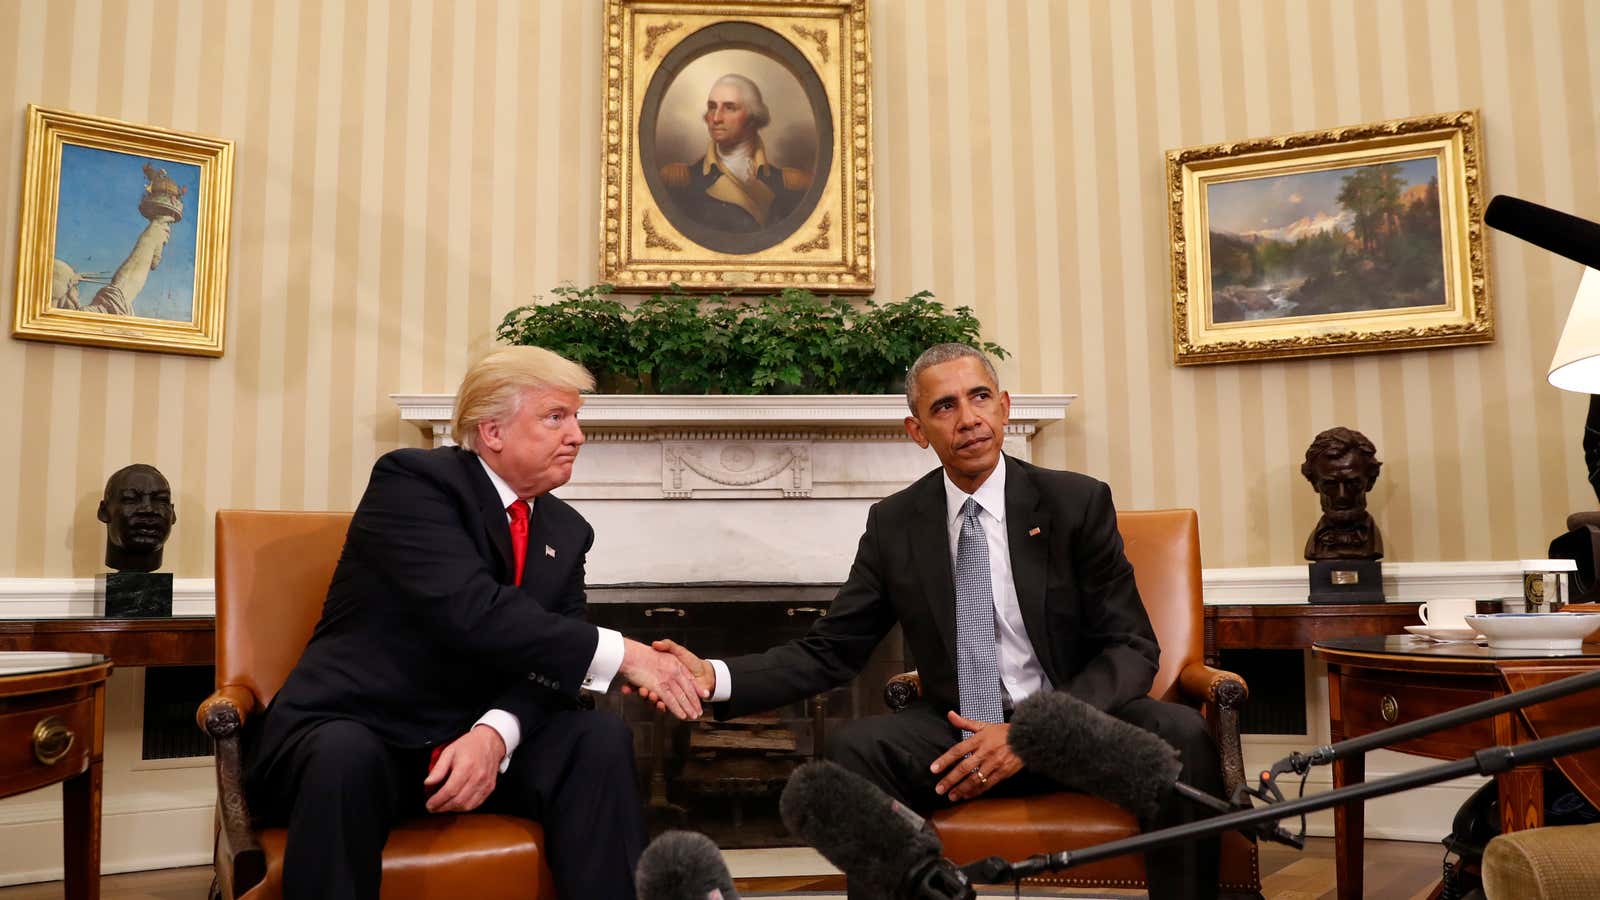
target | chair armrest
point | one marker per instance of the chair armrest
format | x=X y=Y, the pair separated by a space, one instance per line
x=1221 y=693
x=1213 y=686
x=902 y=690
x=223 y=713
x=240 y=864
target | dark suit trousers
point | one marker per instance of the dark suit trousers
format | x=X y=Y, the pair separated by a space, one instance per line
x=894 y=751
x=340 y=790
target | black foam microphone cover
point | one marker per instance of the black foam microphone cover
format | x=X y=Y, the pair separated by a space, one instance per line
x=683 y=865
x=875 y=841
x=1086 y=750
x=1560 y=233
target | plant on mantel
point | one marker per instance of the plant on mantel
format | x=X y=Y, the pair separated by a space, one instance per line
x=791 y=342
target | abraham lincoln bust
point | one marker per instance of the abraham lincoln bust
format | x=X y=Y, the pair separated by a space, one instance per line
x=1343 y=466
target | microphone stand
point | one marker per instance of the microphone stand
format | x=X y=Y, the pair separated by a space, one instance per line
x=1300 y=763
x=1489 y=761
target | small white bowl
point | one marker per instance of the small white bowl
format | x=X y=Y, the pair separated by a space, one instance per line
x=1536 y=631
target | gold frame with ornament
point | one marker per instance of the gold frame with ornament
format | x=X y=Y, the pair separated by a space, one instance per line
x=34 y=318
x=1466 y=316
x=831 y=248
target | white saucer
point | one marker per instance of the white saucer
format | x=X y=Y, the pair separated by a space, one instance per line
x=1536 y=631
x=1442 y=633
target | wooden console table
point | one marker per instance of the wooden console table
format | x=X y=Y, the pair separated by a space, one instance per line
x=1378 y=682
x=170 y=641
x=1296 y=626
x=52 y=730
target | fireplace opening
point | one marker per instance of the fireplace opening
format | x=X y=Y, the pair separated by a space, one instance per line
x=724 y=778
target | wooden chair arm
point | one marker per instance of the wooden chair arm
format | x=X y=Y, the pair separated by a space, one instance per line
x=1213 y=686
x=1221 y=693
x=223 y=713
x=239 y=861
x=900 y=691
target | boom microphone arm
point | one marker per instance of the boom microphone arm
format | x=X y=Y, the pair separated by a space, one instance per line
x=1300 y=763
x=1489 y=761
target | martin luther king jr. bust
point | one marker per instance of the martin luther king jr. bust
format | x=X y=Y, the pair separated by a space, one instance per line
x=1343 y=466
x=138 y=512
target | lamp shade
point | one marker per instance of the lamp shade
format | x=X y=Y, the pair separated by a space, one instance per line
x=1576 y=365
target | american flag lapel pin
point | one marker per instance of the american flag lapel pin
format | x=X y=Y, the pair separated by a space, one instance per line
x=549 y=551
x=1034 y=531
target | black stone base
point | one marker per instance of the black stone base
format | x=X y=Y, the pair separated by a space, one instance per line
x=1346 y=581
x=133 y=595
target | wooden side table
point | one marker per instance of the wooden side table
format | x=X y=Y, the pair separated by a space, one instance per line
x=52 y=729
x=164 y=641
x=1296 y=626
x=1378 y=682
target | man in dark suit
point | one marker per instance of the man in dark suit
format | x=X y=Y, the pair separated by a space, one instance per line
x=1008 y=579
x=444 y=673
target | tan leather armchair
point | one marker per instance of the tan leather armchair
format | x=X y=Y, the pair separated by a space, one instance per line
x=273 y=569
x=1164 y=548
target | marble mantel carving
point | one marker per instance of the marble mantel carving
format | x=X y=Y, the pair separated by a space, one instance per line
x=780 y=484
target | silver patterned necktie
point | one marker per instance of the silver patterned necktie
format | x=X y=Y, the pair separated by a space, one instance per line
x=977 y=666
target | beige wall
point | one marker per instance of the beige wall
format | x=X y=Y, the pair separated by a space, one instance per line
x=409 y=171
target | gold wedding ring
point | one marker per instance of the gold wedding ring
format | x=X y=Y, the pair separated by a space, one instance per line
x=979 y=772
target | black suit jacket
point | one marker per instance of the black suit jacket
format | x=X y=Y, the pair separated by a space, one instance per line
x=1074 y=585
x=422 y=630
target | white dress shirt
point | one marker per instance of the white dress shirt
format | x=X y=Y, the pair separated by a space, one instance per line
x=602 y=668
x=1021 y=673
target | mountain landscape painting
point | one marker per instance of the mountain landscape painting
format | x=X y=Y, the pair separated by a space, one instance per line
x=1355 y=239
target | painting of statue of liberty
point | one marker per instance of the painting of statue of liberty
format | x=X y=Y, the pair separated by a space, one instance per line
x=1347 y=240
x=123 y=243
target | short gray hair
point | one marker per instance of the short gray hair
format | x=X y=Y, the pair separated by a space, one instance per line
x=751 y=97
x=494 y=386
x=939 y=354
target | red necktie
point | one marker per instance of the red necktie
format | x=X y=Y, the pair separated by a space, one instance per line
x=519 y=535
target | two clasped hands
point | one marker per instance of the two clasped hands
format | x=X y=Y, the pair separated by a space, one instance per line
x=467 y=769
x=971 y=766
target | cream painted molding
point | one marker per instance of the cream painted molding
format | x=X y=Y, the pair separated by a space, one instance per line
x=28 y=598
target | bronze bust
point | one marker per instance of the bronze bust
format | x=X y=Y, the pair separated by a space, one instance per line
x=1343 y=466
x=138 y=512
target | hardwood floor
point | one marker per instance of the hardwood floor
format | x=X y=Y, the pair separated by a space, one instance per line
x=1395 y=870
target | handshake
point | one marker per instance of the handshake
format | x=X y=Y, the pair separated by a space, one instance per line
x=668 y=675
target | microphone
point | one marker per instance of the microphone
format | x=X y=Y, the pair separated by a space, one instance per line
x=1560 y=233
x=1088 y=751
x=1095 y=753
x=683 y=865
x=885 y=849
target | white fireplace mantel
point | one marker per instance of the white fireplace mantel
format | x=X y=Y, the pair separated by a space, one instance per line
x=780 y=484
x=1029 y=412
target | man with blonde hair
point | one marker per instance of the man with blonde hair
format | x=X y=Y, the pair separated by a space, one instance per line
x=444 y=673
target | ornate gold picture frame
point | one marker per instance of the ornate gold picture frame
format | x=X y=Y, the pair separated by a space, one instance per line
x=737 y=145
x=1348 y=240
x=124 y=235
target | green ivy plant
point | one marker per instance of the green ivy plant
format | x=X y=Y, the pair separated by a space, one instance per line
x=791 y=342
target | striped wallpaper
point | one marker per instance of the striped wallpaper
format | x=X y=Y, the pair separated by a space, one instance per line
x=407 y=171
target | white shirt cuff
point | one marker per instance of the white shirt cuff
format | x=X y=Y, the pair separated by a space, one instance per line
x=607 y=660
x=724 y=687
x=506 y=725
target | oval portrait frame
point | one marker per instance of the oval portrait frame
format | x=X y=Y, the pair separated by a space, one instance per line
x=758 y=39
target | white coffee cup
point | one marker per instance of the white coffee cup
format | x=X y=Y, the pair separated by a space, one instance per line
x=1447 y=613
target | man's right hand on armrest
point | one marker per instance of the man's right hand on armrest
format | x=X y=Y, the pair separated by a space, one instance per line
x=661 y=677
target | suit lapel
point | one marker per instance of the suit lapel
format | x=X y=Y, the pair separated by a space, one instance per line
x=1030 y=554
x=495 y=525
x=930 y=543
x=538 y=565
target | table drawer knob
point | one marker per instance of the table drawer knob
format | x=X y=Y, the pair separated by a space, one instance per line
x=51 y=740
x=1389 y=708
